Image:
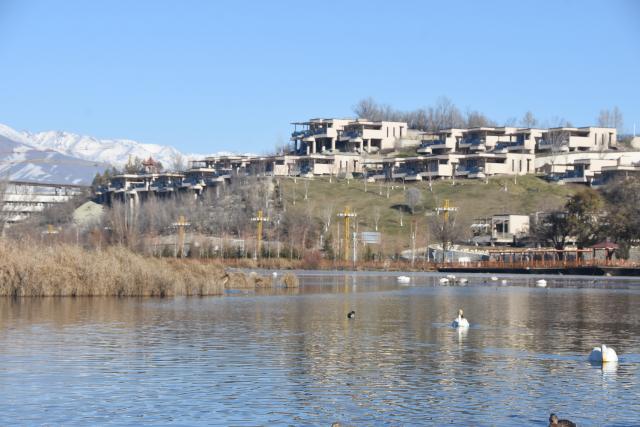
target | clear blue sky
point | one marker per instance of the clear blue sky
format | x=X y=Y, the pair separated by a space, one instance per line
x=205 y=76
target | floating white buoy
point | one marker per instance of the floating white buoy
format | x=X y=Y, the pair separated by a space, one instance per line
x=541 y=283
x=460 y=321
x=274 y=274
x=603 y=354
x=404 y=279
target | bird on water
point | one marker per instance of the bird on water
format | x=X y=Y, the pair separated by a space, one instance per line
x=603 y=354
x=555 y=422
x=351 y=314
x=460 y=321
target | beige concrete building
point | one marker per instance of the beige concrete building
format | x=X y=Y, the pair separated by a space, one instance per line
x=570 y=139
x=501 y=229
x=330 y=136
x=441 y=142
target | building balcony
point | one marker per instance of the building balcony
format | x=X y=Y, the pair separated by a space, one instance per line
x=470 y=142
x=427 y=147
x=352 y=134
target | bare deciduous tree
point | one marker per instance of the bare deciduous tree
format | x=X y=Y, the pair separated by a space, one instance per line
x=178 y=162
x=477 y=119
x=327 y=215
x=611 y=118
x=528 y=120
x=412 y=198
x=444 y=230
x=376 y=216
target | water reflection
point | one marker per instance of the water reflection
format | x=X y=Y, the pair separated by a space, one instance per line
x=293 y=357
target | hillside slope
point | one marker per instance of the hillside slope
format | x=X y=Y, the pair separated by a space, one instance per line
x=473 y=198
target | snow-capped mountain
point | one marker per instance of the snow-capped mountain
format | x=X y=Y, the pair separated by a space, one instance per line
x=22 y=162
x=113 y=151
x=64 y=157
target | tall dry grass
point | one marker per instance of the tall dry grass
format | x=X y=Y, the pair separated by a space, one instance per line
x=28 y=269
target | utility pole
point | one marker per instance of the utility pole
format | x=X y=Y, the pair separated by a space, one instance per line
x=346 y=215
x=259 y=219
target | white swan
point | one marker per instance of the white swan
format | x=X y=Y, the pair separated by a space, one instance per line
x=404 y=279
x=541 y=283
x=494 y=279
x=444 y=280
x=462 y=281
x=451 y=277
x=603 y=354
x=460 y=321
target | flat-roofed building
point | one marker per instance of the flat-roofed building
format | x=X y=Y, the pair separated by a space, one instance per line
x=21 y=199
x=372 y=137
x=570 y=139
x=500 y=229
x=331 y=136
x=440 y=142
x=485 y=138
x=318 y=135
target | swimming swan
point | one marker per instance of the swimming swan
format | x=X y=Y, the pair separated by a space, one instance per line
x=404 y=279
x=603 y=354
x=460 y=321
x=541 y=283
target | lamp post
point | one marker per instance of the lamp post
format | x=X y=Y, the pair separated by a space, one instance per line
x=346 y=215
x=180 y=225
x=259 y=219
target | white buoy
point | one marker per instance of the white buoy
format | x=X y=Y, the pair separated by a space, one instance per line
x=274 y=274
x=541 y=283
x=603 y=354
x=460 y=321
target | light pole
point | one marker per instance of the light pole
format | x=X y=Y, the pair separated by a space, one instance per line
x=180 y=225
x=346 y=215
x=259 y=219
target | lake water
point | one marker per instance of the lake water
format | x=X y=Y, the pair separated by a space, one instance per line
x=293 y=357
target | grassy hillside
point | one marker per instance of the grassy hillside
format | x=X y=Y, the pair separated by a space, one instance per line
x=474 y=199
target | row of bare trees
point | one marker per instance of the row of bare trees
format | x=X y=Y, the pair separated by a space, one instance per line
x=445 y=114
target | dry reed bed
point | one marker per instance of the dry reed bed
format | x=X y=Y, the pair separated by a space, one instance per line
x=67 y=270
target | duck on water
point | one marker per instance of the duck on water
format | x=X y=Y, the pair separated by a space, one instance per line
x=555 y=422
